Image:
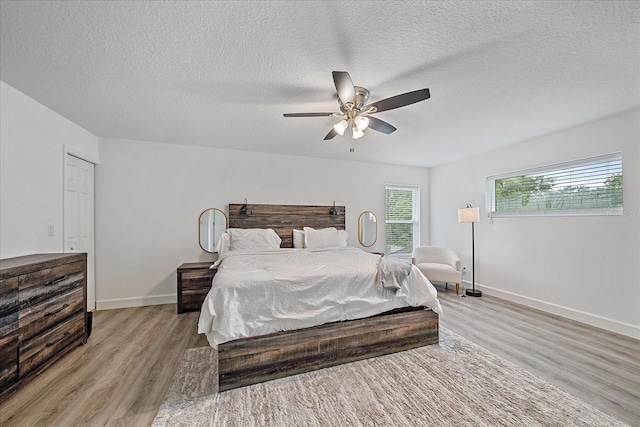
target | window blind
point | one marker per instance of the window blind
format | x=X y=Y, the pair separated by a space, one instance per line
x=591 y=186
x=401 y=220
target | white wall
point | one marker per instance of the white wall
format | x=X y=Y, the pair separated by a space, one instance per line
x=32 y=138
x=149 y=197
x=584 y=268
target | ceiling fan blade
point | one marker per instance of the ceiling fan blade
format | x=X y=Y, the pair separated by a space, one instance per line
x=381 y=125
x=401 y=100
x=331 y=134
x=307 y=114
x=344 y=87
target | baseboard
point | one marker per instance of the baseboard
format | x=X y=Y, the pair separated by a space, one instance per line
x=570 y=313
x=135 y=302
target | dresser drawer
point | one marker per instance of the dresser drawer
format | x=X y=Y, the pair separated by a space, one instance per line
x=8 y=354
x=40 y=317
x=38 y=350
x=43 y=284
x=8 y=297
x=8 y=332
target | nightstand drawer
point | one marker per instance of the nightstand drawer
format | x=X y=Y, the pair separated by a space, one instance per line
x=193 y=300
x=197 y=277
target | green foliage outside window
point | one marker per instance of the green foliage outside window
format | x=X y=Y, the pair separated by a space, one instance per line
x=538 y=192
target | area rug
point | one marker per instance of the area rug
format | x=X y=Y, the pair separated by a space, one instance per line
x=454 y=383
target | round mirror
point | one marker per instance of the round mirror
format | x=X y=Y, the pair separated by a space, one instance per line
x=212 y=223
x=367 y=228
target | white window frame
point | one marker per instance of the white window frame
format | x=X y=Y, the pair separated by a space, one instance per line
x=415 y=214
x=602 y=211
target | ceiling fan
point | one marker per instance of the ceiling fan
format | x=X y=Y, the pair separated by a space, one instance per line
x=356 y=113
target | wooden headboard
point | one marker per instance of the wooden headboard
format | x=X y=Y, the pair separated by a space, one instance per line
x=284 y=218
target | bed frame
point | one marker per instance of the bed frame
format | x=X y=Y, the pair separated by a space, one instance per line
x=257 y=359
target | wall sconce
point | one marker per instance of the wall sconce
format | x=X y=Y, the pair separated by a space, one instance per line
x=334 y=211
x=244 y=210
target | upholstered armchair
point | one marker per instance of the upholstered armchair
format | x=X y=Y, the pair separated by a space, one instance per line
x=439 y=265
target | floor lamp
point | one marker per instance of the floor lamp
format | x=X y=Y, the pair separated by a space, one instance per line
x=471 y=214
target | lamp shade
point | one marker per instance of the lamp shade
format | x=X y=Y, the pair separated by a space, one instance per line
x=469 y=214
x=356 y=133
x=341 y=126
x=362 y=122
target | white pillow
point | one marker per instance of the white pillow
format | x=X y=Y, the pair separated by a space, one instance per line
x=254 y=238
x=298 y=239
x=224 y=244
x=324 y=238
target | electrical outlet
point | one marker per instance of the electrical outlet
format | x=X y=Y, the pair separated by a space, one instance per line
x=464 y=271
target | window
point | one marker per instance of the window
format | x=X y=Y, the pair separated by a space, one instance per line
x=591 y=186
x=401 y=217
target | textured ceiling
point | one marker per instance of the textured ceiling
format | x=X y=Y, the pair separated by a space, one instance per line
x=221 y=74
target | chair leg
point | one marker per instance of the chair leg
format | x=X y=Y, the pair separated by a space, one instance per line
x=457 y=288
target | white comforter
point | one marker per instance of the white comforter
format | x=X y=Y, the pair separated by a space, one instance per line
x=256 y=293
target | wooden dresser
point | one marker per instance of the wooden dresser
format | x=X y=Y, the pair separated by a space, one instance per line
x=43 y=301
x=194 y=282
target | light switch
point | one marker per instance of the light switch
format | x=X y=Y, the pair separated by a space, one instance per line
x=50 y=230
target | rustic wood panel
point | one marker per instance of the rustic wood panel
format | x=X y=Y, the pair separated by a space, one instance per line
x=43 y=284
x=258 y=359
x=8 y=298
x=8 y=332
x=284 y=218
x=17 y=266
x=40 y=317
x=193 y=298
x=8 y=355
x=49 y=345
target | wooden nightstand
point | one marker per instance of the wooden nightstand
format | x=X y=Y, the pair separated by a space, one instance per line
x=194 y=282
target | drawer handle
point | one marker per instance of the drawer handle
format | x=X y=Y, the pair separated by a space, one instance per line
x=51 y=313
x=66 y=334
x=55 y=281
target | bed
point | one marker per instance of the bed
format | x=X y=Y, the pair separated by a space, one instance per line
x=272 y=312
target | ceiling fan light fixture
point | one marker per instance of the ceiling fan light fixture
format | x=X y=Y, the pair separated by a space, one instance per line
x=341 y=126
x=362 y=123
x=356 y=133
x=355 y=112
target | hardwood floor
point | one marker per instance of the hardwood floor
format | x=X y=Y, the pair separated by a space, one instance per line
x=597 y=366
x=120 y=377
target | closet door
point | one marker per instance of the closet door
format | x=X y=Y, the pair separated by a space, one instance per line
x=79 y=216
